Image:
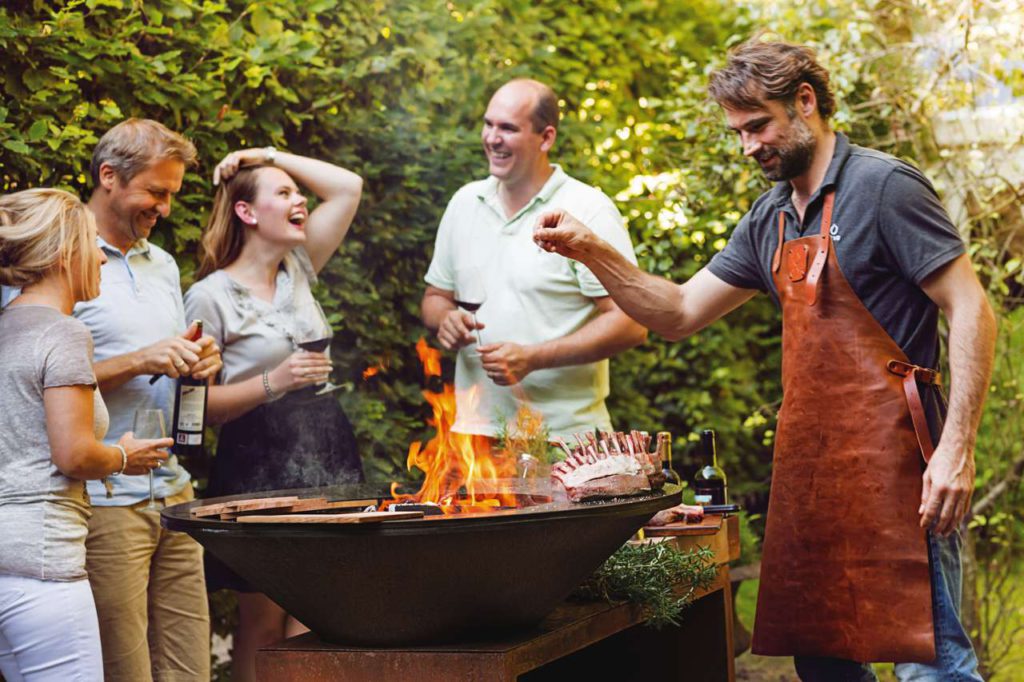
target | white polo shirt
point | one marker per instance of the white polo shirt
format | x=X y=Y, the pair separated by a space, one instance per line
x=532 y=297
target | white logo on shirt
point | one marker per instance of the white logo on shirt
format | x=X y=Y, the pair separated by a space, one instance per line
x=834 y=231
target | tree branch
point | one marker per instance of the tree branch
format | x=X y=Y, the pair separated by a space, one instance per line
x=1012 y=477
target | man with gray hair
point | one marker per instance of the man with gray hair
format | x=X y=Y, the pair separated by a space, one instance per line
x=547 y=328
x=147 y=582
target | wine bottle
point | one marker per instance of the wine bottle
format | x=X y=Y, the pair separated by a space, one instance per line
x=189 y=410
x=664 y=450
x=709 y=485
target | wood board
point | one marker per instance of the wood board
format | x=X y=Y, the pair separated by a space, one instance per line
x=357 y=517
x=242 y=505
x=709 y=525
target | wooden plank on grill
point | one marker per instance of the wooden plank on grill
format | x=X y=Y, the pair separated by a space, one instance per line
x=320 y=504
x=242 y=505
x=304 y=505
x=358 y=517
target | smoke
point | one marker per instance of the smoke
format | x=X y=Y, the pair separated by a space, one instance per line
x=300 y=441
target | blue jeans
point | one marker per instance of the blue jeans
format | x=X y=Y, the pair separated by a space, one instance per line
x=954 y=654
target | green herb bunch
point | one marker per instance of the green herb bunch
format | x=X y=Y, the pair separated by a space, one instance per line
x=657 y=576
x=527 y=433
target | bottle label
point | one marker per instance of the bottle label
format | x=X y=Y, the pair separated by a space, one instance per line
x=702 y=499
x=190 y=411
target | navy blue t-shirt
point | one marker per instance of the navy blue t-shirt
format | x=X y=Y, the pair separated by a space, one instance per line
x=890 y=233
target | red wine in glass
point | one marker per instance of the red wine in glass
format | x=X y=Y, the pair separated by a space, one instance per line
x=470 y=293
x=316 y=345
x=319 y=346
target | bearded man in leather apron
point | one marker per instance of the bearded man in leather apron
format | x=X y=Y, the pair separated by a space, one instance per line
x=861 y=555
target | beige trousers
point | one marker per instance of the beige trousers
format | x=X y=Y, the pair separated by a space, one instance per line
x=150 y=596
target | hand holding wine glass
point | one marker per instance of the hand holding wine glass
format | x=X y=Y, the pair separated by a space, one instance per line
x=144 y=454
x=149 y=425
x=317 y=339
x=470 y=294
x=300 y=369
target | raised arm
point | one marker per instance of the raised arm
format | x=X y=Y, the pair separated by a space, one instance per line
x=671 y=310
x=338 y=189
x=949 y=478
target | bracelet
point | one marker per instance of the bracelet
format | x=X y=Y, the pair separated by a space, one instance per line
x=266 y=387
x=271 y=152
x=124 y=460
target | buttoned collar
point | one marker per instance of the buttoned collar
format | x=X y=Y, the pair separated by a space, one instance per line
x=488 y=193
x=139 y=248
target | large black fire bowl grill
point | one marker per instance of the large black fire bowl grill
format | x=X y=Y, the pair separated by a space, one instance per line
x=433 y=579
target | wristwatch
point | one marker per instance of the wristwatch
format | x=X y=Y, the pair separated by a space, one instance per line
x=271 y=152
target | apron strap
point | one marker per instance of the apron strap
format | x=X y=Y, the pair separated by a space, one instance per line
x=824 y=242
x=911 y=375
x=777 y=258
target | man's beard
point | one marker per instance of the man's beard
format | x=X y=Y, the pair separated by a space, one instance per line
x=794 y=155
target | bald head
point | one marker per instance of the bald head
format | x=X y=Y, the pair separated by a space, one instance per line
x=542 y=100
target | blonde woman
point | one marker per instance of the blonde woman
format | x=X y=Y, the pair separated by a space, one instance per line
x=262 y=250
x=52 y=421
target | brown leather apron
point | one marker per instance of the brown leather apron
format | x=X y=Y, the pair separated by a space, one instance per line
x=844 y=570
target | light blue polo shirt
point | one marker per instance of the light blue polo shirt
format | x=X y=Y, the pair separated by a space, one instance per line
x=139 y=304
x=532 y=297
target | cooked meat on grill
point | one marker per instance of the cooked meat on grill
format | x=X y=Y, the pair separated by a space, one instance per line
x=608 y=465
x=680 y=512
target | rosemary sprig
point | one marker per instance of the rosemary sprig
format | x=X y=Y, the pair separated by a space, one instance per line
x=526 y=434
x=657 y=576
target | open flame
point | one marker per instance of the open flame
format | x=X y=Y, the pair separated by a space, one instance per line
x=461 y=471
x=373 y=370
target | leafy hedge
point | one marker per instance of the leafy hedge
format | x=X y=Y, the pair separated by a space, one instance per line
x=395 y=90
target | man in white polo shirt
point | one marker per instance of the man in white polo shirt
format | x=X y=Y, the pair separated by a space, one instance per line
x=546 y=327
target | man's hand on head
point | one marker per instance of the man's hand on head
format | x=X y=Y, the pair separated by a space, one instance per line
x=456 y=329
x=559 y=232
x=948 y=484
x=506 y=363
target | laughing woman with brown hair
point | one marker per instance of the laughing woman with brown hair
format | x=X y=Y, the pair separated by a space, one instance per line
x=52 y=422
x=262 y=250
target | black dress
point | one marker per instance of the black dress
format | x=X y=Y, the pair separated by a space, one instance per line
x=300 y=441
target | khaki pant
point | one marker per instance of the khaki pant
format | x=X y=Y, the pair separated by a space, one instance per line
x=150 y=596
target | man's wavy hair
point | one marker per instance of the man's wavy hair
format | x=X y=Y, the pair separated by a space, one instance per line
x=758 y=71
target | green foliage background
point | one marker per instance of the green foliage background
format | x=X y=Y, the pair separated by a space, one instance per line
x=394 y=89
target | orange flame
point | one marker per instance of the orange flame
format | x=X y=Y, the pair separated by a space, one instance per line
x=373 y=370
x=461 y=473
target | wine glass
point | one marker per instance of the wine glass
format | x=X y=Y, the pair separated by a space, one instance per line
x=470 y=293
x=150 y=424
x=317 y=341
